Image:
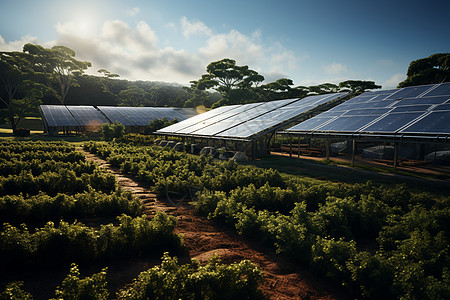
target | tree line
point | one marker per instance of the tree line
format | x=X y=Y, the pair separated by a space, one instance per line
x=39 y=75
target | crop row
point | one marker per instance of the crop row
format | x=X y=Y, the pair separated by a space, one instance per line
x=169 y=280
x=380 y=241
x=59 y=184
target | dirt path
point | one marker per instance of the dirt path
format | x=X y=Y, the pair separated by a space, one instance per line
x=203 y=238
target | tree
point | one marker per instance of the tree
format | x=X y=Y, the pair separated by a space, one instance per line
x=133 y=96
x=323 y=88
x=429 y=70
x=358 y=86
x=16 y=78
x=104 y=80
x=58 y=67
x=228 y=79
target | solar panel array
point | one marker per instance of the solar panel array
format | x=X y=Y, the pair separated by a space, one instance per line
x=85 y=116
x=418 y=110
x=245 y=121
x=58 y=115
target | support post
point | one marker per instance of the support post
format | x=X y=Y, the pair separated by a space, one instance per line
x=298 y=146
x=290 y=147
x=253 y=150
x=327 y=148
x=353 y=152
x=395 y=156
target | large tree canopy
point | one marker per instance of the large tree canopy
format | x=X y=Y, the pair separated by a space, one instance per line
x=358 y=86
x=432 y=69
x=232 y=81
x=16 y=78
x=58 y=67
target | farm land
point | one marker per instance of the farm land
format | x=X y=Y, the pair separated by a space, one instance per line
x=124 y=220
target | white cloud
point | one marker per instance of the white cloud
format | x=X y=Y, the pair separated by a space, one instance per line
x=335 y=68
x=18 y=44
x=135 y=53
x=194 y=28
x=133 y=12
x=393 y=81
x=233 y=45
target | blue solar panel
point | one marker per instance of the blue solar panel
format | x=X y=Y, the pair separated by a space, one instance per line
x=418 y=109
x=423 y=100
x=87 y=115
x=58 y=116
x=441 y=89
x=392 y=122
x=436 y=122
x=114 y=115
x=250 y=119
x=408 y=108
x=410 y=92
x=347 y=123
x=175 y=128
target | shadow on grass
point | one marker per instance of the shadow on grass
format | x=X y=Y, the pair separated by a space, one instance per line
x=360 y=174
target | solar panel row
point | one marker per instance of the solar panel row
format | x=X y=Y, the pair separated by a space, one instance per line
x=245 y=121
x=85 y=116
x=413 y=110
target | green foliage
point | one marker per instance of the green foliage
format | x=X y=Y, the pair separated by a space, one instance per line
x=112 y=131
x=157 y=124
x=429 y=70
x=14 y=291
x=358 y=86
x=54 y=244
x=380 y=241
x=136 y=139
x=192 y=281
x=73 y=287
x=57 y=66
x=91 y=203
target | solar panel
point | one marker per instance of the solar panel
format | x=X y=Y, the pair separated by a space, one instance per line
x=114 y=115
x=218 y=118
x=410 y=92
x=243 y=121
x=440 y=89
x=277 y=116
x=246 y=115
x=347 y=123
x=421 y=101
x=392 y=122
x=58 y=116
x=311 y=124
x=197 y=119
x=87 y=115
x=435 y=122
x=419 y=109
x=186 y=112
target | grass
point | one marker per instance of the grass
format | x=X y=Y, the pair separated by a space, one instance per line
x=337 y=172
x=35 y=125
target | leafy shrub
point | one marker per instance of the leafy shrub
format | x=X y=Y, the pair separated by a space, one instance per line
x=112 y=131
x=13 y=291
x=73 y=287
x=192 y=281
x=65 y=242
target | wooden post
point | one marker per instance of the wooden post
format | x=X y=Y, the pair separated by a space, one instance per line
x=253 y=150
x=353 y=152
x=395 y=156
x=298 y=146
x=290 y=147
x=327 y=148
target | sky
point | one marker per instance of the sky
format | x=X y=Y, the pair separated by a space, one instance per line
x=310 y=42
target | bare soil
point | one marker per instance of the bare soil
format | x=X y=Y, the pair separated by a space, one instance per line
x=203 y=238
